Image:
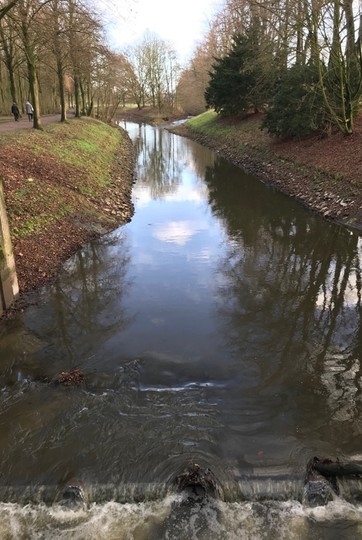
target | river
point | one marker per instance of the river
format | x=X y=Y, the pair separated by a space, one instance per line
x=220 y=327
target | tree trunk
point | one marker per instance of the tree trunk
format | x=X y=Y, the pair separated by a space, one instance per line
x=76 y=96
x=350 y=48
x=59 y=61
x=9 y=62
x=82 y=93
x=34 y=92
x=29 y=48
x=61 y=86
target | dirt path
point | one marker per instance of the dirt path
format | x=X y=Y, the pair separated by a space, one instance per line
x=24 y=123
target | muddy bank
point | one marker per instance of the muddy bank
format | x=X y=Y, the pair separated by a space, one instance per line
x=323 y=175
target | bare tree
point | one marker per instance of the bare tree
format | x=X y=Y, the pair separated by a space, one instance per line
x=9 y=46
x=28 y=16
x=54 y=50
x=155 y=71
x=4 y=10
x=338 y=58
x=58 y=19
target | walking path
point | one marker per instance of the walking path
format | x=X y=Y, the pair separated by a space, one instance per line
x=23 y=123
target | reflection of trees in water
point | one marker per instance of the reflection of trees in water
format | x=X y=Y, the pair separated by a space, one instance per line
x=158 y=161
x=162 y=157
x=84 y=305
x=291 y=290
x=200 y=158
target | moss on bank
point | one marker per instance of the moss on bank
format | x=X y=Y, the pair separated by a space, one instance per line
x=63 y=186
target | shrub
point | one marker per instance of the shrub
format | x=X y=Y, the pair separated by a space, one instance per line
x=297 y=109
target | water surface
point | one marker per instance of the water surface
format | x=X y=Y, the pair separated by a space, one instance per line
x=222 y=326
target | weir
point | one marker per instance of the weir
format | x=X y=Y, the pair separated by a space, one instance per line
x=251 y=488
x=9 y=288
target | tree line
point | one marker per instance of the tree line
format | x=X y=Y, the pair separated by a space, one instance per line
x=54 y=53
x=299 y=61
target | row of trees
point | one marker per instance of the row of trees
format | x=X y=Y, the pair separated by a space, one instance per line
x=54 y=53
x=154 y=73
x=299 y=60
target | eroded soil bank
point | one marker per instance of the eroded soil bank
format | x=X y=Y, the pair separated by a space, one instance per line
x=324 y=174
x=63 y=187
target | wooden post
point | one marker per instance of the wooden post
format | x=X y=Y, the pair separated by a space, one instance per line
x=9 y=288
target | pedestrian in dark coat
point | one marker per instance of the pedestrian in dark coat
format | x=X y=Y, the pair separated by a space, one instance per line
x=15 y=111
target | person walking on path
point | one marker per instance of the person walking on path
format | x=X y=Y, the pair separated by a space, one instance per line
x=29 y=110
x=15 y=111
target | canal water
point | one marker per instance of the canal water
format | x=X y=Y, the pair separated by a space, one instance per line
x=220 y=327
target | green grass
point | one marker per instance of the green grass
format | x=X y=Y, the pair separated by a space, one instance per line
x=70 y=165
x=37 y=223
x=90 y=148
x=241 y=132
x=86 y=145
x=203 y=122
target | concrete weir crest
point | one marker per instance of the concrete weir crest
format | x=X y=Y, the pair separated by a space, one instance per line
x=9 y=288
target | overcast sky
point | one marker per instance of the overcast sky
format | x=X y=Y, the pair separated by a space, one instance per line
x=182 y=22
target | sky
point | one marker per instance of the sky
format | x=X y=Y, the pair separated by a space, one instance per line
x=183 y=23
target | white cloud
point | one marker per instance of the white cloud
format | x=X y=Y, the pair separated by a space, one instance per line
x=176 y=232
x=184 y=193
x=183 y=23
x=187 y=193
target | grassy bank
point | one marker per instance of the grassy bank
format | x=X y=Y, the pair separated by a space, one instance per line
x=322 y=173
x=63 y=186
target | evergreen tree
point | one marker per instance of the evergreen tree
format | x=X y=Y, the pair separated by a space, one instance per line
x=297 y=109
x=237 y=83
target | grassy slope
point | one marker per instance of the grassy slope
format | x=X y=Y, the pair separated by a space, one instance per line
x=56 y=172
x=63 y=186
x=209 y=123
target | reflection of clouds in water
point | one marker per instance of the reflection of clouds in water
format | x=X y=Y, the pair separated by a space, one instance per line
x=142 y=197
x=177 y=232
x=184 y=193
x=203 y=255
x=187 y=193
x=143 y=257
x=157 y=321
x=343 y=384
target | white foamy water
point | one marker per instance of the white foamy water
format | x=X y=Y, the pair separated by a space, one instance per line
x=170 y=519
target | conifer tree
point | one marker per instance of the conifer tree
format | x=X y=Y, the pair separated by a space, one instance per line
x=237 y=83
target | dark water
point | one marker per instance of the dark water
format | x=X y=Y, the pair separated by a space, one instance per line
x=222 y=327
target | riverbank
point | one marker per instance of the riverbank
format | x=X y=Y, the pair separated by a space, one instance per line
x=63 y=186
x=149 y=115
x=324 y=174
x=71 y=183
